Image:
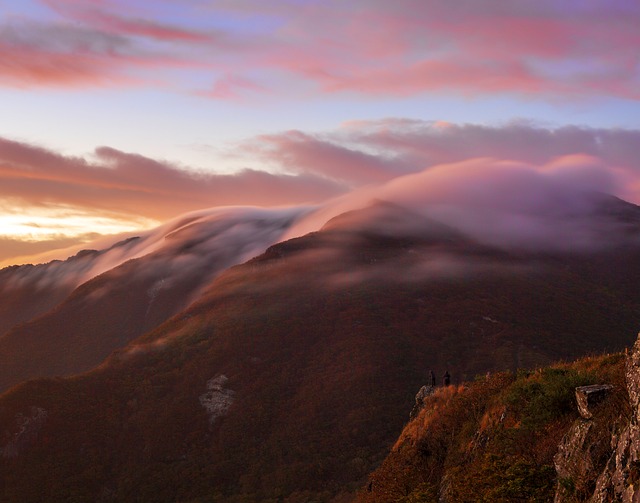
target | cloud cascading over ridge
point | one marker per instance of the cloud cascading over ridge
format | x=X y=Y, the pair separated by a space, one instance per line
x=368 y=157
x=61 y=200
x=182 y=79
x=307 y=167
x=557 y=206
x=364 y=152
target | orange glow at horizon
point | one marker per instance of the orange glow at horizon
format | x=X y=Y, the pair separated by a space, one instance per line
x=32 y=224
x=41 y=233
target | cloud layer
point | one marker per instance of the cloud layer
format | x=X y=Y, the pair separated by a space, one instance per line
x=111 y=191
x=131 y=183
x=365 y=152
x=516 y=171
x=401 y=48
x=499 y=203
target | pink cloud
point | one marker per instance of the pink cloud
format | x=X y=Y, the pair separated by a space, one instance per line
x=430 y=143
x=441 y=47
x=372 y=47
x=143 y=27
x=482 y=179
x=402 y=48
x=515 y=204
x=501 y=203
x=440 y=75
x=299 y=152
x=60 y=55
x=314 y=166
x=505 y=186
x=412 y=47
x=131 y=183
x=26 y=68
x=364 y=152
x=232 y=87
x=95 y=14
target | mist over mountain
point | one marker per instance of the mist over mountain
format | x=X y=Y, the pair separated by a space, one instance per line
x=66 y=317
x=291 y=373
x=238 y=236
x=508 y=204
x=30 y=290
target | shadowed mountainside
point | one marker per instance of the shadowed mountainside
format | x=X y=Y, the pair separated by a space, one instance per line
x=82 y=327
x=28 y=291
x=293 y=373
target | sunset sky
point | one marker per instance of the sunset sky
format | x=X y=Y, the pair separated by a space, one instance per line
x=120 y=114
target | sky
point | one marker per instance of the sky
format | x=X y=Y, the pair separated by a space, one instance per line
x=119 y=115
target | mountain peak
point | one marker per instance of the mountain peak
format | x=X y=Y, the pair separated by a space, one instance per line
x=384 y=218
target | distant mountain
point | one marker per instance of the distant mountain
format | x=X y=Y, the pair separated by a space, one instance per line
x=66 y=320
x=28 y=291
x=292 y=373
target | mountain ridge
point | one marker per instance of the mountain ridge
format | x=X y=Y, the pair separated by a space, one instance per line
x=321 y=341
x=84 y=323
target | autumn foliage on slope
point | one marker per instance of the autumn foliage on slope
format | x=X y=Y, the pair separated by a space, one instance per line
x=494 y=439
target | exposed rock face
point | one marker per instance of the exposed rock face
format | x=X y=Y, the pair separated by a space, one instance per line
x=423 y=393
x=632 y=375
x=619 y=480
x=574 y=462
x=217 y=399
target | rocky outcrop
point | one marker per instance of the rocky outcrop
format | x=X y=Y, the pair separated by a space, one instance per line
x=589 y=397
x=577 y=467
x=574 y=461
x=422 y=394
x=620 y=480
x=217 y=399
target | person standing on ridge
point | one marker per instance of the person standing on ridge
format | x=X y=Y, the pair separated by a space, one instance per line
x=446 y=378
x=433 y=378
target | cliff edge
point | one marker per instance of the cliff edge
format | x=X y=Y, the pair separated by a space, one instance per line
x=565 y=433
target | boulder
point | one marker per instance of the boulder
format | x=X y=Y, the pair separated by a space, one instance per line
x=590 y=396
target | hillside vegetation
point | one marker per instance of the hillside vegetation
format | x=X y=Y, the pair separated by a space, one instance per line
x=494 y=439
x=293 y=373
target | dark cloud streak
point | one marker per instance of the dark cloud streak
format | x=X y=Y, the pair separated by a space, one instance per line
x=143 y=186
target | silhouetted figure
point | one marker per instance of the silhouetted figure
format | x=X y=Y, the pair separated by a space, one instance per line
x=446 y=378
x=433 y=378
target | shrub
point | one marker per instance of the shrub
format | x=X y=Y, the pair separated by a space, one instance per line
x=546 y=395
